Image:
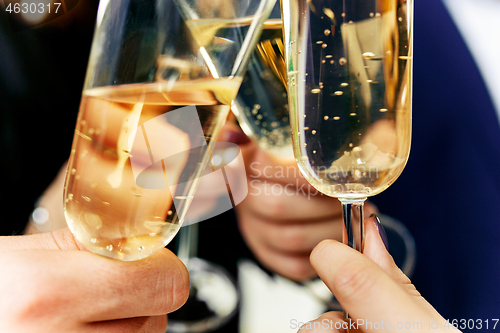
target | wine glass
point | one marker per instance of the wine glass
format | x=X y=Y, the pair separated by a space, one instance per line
x=349 y=75
x=160 y=81
x=261 y=106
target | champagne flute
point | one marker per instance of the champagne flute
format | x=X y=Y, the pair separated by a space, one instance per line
x=160 y=81
x=349 y=74
x=261 y=106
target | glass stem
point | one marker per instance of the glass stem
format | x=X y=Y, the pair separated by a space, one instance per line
x=188 y=243
x=353 y=232
x=353 y=214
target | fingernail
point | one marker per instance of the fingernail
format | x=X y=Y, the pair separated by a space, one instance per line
x=381 y=231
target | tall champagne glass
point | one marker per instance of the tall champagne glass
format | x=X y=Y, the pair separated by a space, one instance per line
x=160 y=81
x=349 y=69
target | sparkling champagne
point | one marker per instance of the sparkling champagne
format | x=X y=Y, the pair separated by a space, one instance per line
x=350 y=87
x=261 y=106
x=121 y=134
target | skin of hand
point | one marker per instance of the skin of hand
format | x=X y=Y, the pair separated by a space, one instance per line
x=49 y=283
x=283 y=217
x=372 y=289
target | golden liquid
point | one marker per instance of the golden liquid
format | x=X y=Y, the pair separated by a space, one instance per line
x=350 y=93
x=104 y=206
x=261 y=106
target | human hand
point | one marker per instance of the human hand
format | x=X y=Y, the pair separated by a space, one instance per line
x=50 y=284
x=372 y=289
x=283 y=217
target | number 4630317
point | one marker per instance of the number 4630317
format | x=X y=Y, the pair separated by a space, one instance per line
x=32 y=8
x=477 y=324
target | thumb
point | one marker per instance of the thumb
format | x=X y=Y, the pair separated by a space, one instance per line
x=375 y=248
x=61 y=239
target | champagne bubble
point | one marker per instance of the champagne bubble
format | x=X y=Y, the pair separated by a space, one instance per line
x=344 y=84
x=328 y=56
x=338 y=93
x=400 y=19
x=109 y=247
x=323 y=61
x=336 y=118
x=352 y=114
x=306 y=128
x=70 y=196
x=324 y=45
x=316 y=91
x=314 y=151
x=319 y=42
x=169 y=212
x=313 y=132
x=377 y=15
x=342 y=61
x=372 y=14
x=325 y=117
x=383 y=110
x=368 y=55
x=332 y=61
x=327 y=32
